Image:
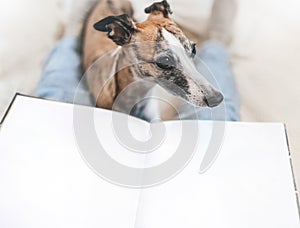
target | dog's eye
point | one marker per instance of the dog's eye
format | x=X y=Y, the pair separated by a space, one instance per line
x=166 y=62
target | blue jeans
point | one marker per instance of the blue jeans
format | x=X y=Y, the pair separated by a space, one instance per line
x=61 y=76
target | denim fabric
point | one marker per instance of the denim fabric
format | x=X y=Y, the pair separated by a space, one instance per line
x=61 y=75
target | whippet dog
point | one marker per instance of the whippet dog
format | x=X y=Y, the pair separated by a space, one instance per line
x=159 y=47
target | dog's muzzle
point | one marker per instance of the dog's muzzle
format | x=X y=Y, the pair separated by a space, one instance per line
x=214 y=99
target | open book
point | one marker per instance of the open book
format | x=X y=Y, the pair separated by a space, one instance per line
x=59 y=168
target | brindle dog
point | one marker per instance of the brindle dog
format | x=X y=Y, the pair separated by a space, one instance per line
x=161 y=50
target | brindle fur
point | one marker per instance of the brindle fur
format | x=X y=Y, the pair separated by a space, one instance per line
x=96 y=44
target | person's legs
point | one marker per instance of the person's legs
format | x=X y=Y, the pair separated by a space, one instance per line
x=61 y=75
x=213 y=63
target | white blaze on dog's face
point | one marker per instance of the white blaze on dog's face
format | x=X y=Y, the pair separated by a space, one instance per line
x=196 y=89
x=162 y=52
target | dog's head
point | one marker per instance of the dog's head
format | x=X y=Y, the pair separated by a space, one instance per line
x=163 y=53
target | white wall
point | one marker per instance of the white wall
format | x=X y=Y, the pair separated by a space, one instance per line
x=28 y=29
x=266 y=57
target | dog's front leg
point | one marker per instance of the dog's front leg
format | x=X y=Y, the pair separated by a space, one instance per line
x=150 y=108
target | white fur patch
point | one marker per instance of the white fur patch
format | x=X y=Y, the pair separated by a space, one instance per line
x=172 y=40
x=116 y=51
x=176 y=46
x=152 y=111
x=178 y=49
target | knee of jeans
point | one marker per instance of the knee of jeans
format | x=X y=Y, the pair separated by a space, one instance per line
x=213 y=49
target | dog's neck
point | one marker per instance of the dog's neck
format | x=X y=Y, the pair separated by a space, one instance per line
x=130 y=88
x=122 y=69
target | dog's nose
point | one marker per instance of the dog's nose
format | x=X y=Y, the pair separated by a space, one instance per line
x=214 y=100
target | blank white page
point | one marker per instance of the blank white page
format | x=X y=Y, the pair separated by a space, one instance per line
x=249 y=185
x=44 y=180
x=46 y=183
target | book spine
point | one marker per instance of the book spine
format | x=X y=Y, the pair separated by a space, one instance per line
x=292 y=168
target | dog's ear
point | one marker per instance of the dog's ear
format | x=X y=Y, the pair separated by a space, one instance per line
x=160 y=7
x=119 y=28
